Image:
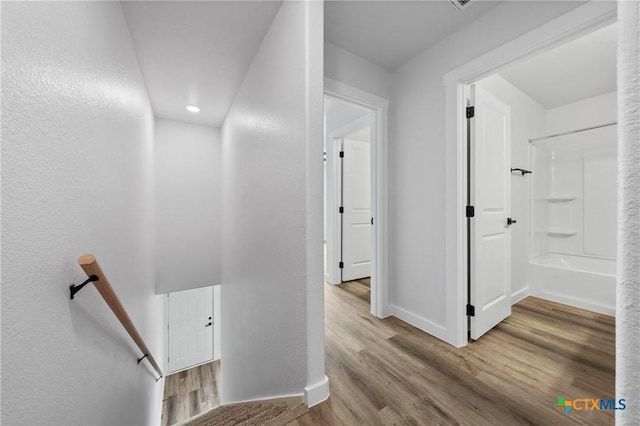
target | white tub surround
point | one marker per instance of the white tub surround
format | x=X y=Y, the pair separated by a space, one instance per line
x=574 y=199
x=584 y=282
x=628 y=288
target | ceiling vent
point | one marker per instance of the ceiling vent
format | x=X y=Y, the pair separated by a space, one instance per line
x=460 y=4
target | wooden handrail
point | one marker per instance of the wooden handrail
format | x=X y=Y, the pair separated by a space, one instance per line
x=91 y=267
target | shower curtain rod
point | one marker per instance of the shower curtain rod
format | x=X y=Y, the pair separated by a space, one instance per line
x=572 y=131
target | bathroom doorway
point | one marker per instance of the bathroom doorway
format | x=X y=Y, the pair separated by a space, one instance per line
x=541 y=181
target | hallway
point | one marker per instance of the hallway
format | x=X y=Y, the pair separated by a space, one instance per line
x=387 y=372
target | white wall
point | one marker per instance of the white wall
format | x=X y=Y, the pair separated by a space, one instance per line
x=586 y=113
x=528 y=118
x=76 y=177
x=272 y=311
x=187 y=205
x=344 y=66
x=417 y=159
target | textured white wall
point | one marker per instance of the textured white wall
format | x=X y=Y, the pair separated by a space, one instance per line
x=187 y=205
x=528 y=119
x=355 y=71
x=628 y=288
x=76 y=177
x=417 y=154
x=272 y=309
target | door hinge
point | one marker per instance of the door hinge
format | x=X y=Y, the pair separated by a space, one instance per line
x=340 y=209
x=372 y=221
x=471 y=310
x=341 y=265
x=471 y=111
x=471 y=211
x=341 y=154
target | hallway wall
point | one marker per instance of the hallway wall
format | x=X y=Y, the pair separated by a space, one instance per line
x=187 y=205
x=344 y=66
x=272 y=291
x=77 y=136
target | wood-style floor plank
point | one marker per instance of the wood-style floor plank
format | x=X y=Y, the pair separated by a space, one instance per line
x=386 y=372
x=190 y=393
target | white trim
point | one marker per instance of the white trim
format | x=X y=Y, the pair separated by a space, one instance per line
x=332 y=273
x=317 y=393
x=422 y=323
x=217 y=329
x=379 y=188
x=271 y=398
x=520 y=294
x=579 y=21
x=578 y=303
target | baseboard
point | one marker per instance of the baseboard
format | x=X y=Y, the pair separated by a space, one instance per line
x=423 y=324
x=317 y=393
x=270 y=398
x=519 y=295
x=577 y=303
x=328 y=280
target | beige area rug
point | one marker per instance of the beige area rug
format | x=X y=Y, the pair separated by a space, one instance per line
x=272 y=413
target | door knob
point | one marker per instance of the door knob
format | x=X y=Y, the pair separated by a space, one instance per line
x=208 y=324
x=510 y=221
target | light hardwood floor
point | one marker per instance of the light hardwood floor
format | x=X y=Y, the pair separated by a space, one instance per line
x=190 y=392
x=388 y=372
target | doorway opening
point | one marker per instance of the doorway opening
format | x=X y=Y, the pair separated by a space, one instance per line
x=347 y=182
x=193 y=354
x=540 y=187
x=355 y=197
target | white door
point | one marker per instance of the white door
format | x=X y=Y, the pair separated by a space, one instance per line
x=356 y=216
x=490 y=292
x=190 y=328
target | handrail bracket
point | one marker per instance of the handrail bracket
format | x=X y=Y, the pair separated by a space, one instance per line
x=73 y=288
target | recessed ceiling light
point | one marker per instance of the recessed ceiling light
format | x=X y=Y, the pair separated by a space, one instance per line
x=193 y=108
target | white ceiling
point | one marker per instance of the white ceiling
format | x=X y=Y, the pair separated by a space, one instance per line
x=339 y=113
x=580 y=69
x=389 y=33
x=196 y=53
x=362 y=135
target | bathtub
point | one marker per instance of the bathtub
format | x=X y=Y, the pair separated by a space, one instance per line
x=583 y=282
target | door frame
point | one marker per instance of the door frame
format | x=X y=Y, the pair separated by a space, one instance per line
x=578 y=22
x=379 y=188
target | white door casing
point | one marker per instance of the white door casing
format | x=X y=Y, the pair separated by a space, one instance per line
x=190 y=328
x=356 y=203
x=490 y=191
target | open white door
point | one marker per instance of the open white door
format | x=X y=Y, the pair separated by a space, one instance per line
x=190 y=328
x=490 y=192
x=356 y=216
